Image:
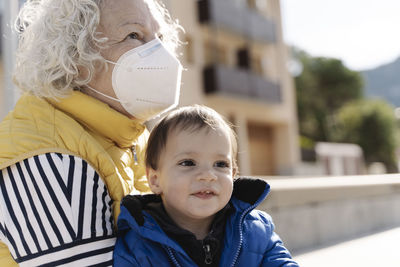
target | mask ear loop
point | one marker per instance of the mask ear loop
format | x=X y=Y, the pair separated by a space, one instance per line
x=107 y=96
x=112 y=62
x=129 y=69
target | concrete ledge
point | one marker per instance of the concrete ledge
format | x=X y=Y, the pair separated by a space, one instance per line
x=289 y=192
x=311 y=212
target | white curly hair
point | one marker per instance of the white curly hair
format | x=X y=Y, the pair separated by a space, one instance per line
x=57 y=37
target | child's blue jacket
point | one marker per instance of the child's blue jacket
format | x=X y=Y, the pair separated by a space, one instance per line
x=249 y=239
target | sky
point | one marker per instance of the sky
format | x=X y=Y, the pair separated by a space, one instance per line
x=362 y=33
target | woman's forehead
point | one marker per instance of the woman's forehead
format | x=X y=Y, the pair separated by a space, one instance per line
x=117 y=13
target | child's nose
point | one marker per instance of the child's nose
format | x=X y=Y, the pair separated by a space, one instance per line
x=207 y=174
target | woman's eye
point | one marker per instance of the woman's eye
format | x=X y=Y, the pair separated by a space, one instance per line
x=221 y=164
x=187 y=163
x=133 y=35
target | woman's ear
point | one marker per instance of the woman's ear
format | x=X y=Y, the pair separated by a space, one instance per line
x=153 y=178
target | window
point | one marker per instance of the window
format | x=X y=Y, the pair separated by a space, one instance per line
x=243 y=58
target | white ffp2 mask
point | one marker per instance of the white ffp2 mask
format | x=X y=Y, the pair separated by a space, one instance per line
x=146 y=80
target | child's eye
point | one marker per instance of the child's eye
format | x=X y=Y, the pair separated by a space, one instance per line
x=187 y=162
x=221 y=164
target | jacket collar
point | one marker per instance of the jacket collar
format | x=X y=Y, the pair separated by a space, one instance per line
x=248 y=192
x=148 y=229
x=100 y=118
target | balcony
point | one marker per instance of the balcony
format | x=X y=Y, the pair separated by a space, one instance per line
x=259 y=27
x=236 y=17
x=240 y=82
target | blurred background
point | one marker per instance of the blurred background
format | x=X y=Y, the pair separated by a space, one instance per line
x=313 y=90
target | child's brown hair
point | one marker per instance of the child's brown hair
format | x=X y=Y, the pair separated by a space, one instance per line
x=192 y=118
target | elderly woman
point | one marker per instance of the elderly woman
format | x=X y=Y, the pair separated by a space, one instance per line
x=93 y=72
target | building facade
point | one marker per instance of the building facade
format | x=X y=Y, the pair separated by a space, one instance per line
x=236 y=63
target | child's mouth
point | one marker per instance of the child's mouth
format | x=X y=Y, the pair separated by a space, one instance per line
x=204 y=194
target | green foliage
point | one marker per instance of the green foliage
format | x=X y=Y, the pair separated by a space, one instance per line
x=332 y=108
x=372 y=125
x=322 y=88
x=306 y=143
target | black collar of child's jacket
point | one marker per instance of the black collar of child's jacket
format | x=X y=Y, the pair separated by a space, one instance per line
x=249 y=189
x=135 y=204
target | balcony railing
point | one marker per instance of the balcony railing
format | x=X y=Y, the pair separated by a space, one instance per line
x=230 y=15
x=259 y=27
x=240 y=82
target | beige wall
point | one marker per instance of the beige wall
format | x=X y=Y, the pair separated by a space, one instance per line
x=267 y=132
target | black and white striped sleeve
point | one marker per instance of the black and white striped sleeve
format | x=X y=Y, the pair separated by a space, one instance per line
x=56 y=211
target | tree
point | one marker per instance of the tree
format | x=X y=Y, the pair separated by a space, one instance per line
x=372 y=125
x=322 y=88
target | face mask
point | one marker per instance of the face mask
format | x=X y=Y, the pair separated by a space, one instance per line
x=146 y=80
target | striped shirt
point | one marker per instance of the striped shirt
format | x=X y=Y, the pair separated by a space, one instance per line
x=55 y=211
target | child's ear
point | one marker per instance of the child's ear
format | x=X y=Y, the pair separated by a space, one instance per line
x=153 y=180
x=234 y=172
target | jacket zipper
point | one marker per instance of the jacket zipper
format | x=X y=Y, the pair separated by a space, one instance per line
x=172 y=256
x=241 y=233
x=207 y=251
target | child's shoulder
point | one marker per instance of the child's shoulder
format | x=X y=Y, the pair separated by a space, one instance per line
x=258 y=232
x=261 y=219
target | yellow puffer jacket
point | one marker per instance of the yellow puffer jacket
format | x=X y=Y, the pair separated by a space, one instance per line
x=82 y=126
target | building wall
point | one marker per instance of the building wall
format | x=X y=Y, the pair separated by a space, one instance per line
x=267 y=131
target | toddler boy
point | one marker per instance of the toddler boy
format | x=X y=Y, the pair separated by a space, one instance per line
x=198 y=215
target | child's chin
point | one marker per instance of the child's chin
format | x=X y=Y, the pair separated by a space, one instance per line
x=203 y=214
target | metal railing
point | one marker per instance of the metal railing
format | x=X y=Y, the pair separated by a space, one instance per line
x=236 y=17
x=240 y=82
